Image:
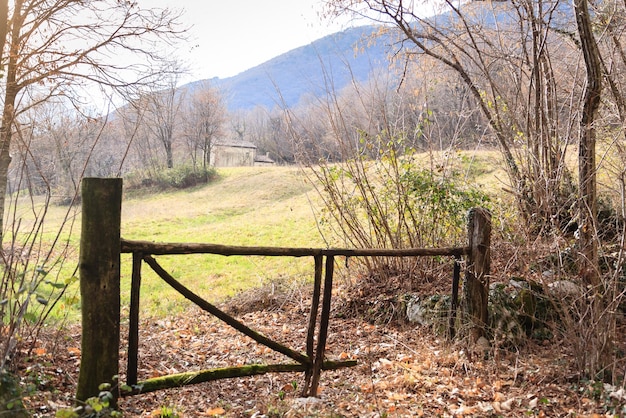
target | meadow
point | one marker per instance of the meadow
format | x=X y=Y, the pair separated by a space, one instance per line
x=249 y=206
x=245 y=206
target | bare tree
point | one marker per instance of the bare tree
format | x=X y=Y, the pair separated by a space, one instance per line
x=60 y=142
x=267 y=129
x=600 y=356
x=203 y=119
x=238 y=125
x=536 y=72
x=58 y=47
x=161 y=112
x=503 y=54
x=144 y=153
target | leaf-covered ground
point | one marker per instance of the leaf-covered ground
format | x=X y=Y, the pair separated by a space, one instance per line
x=403 y=371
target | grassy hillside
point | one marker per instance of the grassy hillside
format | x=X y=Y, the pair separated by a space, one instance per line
x=249 y=206
x=246 y=206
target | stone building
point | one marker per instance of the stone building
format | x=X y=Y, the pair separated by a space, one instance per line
x=236 y=153
x=263 y=160
x=232 y=153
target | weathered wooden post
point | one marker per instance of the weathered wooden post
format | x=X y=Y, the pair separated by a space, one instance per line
x=99 y=270
x=477 y=273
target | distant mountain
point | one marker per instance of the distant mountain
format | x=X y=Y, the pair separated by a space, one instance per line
x=331 y=62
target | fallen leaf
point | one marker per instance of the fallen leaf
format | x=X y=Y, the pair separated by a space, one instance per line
x=508 y=404
x=367 y=388
x=215 y=411
x=385 y=363
x=405 y=358
x=498 y=397
x=465 y=410
x=394 y=396
x=496 y=407
x=75 y=351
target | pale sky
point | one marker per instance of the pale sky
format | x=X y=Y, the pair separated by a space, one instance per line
x=231 y=36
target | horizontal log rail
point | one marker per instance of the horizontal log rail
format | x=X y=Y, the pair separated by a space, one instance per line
x=160 y=248
x=192 y=378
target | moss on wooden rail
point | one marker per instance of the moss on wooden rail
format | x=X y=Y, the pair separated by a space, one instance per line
x=190 y=378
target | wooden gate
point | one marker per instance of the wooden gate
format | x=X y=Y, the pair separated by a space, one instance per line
x=99 y=274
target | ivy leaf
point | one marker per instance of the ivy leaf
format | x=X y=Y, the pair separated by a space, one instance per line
x=56 y=285
x=71 y=280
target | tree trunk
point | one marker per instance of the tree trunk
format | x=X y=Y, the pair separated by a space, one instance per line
x=4 y=17
x=600 y=343
x=587 y=149
x=168 y=154
x=6 y=134
x=8 y=109
x=5 y=160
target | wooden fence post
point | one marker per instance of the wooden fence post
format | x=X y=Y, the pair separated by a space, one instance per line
x=477 y=273
x=99 y=270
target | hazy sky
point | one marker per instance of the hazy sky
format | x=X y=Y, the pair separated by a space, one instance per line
x=231 y=36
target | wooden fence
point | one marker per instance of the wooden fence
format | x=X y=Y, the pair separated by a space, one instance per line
x=99 y=268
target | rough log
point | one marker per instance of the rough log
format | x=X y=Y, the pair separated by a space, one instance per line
x=322 y=334
x=99 y=270
x=160 y=248
x=223 y=316
x=190 y=378
x=310 y=339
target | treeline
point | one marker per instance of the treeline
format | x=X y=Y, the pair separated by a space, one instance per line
x=170 y=128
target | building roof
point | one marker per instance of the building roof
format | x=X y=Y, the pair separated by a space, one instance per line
x=263 y=159
x=235 y=143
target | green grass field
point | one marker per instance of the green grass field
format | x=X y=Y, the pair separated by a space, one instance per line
x=250 y=206
x=247 y=206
